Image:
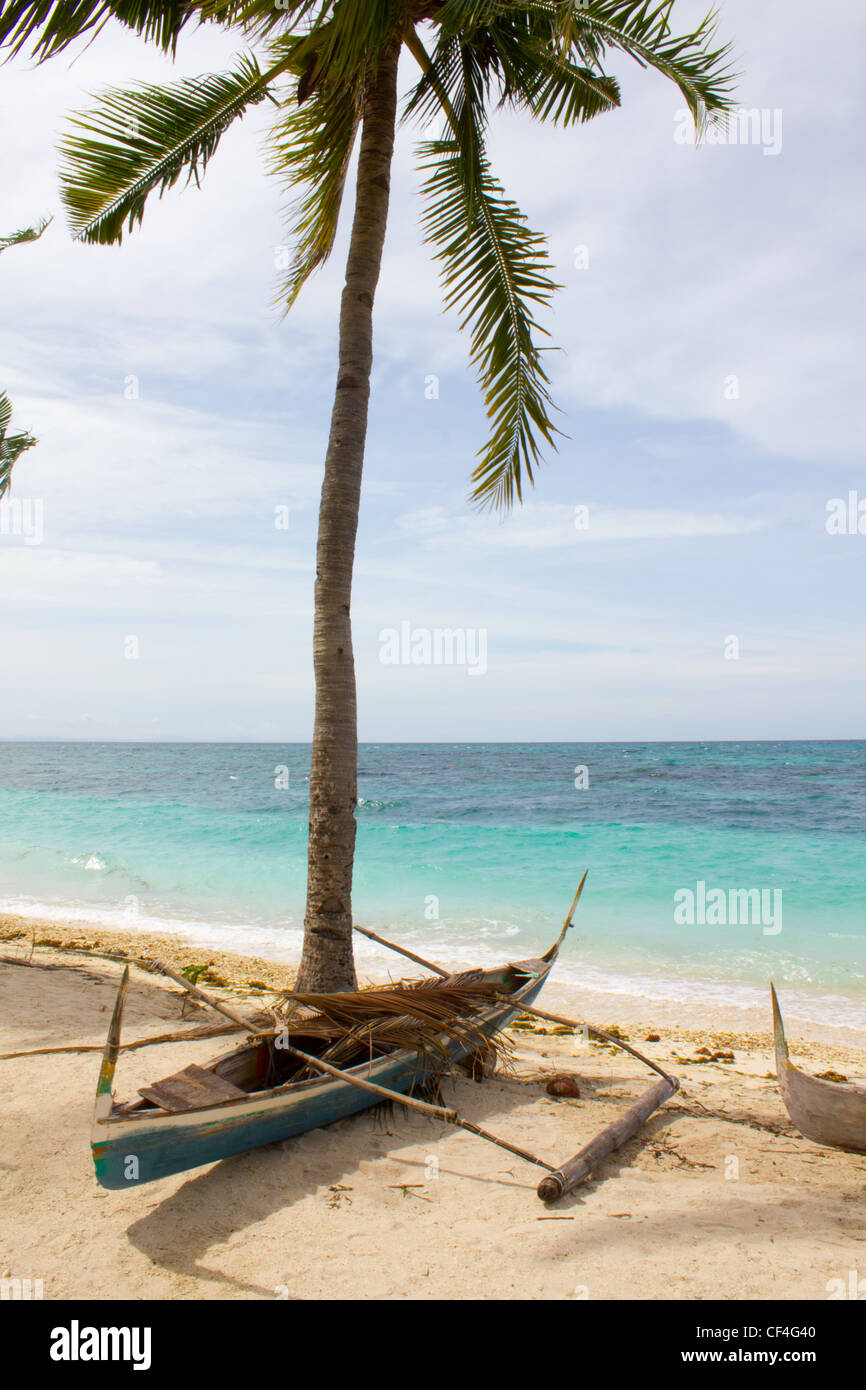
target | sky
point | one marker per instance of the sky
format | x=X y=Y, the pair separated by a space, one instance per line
x=670 y=576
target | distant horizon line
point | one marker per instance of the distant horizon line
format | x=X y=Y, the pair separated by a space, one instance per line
x=409 y=743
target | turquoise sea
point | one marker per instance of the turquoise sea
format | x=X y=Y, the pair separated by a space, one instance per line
x=473 y=852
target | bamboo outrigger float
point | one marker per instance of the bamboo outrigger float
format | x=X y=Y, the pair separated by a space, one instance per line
x=828 y=1112
x=276 y=1085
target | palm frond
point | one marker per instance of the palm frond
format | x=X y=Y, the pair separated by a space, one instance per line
x=560 y=92
x=643 y=30
x=540 y=75
x=494 y=270
x=494 y=267
x=46 y=27
x=12 y=446
x=310 y=149
x=520 y=55
x=423 y=1015
x=346 y=38
x=260 y=18
x=25 y=234
x=142 y=140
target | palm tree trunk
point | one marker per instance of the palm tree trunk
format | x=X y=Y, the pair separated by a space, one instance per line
x=328 y=963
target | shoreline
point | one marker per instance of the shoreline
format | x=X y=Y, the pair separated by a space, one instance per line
x=610 y=969
x=241 y=971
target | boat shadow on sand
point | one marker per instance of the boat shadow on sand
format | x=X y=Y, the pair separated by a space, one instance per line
x=365 y=1156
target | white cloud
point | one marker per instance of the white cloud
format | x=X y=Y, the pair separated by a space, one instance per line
x=540 y=526
x=703 y=517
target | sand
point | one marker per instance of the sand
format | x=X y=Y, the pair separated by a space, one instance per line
x=719 y=1197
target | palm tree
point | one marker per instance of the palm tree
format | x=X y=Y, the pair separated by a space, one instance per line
x=330 y=68
x=12 y=446
x=25 y=234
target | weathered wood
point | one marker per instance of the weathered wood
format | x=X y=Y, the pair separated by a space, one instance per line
x=33 y=964
x=191 y=1035
x=596 y=1033
x=402 y=951
x=827 y=1112
x=579 y=1168
x=437 y=1112
x=212 y=1003
x=190 y=1089
x=437 y=969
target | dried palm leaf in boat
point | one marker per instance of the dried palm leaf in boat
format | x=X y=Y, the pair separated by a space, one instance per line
x=421 y=1014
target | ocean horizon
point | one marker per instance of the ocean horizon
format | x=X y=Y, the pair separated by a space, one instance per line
x=712 y=866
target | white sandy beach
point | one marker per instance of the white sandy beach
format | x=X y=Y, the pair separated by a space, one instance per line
x=719 y=1197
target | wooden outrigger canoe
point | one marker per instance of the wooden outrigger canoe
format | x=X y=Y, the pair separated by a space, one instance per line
x=209 y=1113
x=829 y=1112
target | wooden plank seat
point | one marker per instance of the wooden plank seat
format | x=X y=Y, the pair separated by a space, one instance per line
x=190 y=1089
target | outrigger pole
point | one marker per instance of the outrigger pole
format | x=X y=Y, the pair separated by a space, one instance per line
x=613 y=1136
x=436 y=1112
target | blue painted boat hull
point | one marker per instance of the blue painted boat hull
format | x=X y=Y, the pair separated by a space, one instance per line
x=134 y=1148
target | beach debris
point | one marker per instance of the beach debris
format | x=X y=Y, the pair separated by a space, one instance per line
x=563 y=1084
x=426 y=1015
x=526 y=1024
x=614 y=1031
x=703 y=1055
x=652 y=1037
x=338 y=1194
x=664 y=1147
x=193 y=973
x=832 y=1076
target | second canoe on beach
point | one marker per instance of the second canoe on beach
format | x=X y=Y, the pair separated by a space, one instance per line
x=828 y=1112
